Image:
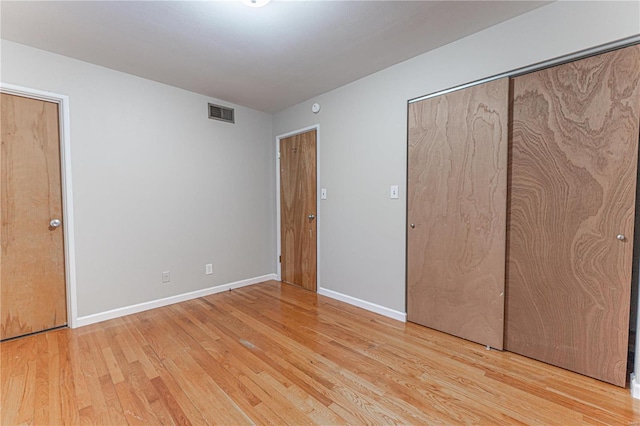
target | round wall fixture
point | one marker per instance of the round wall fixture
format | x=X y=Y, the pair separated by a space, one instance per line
x=315 y=108
x=256 y=3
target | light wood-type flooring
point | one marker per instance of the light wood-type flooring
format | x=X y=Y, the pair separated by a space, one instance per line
x=276 y=354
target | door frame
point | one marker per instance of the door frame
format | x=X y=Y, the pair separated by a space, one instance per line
x=315 y=127
x=67 y=193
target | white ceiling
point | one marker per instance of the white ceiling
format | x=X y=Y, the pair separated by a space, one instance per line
x=265 y=58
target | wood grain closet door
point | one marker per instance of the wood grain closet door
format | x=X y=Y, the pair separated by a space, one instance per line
x=32 y=278
x=298 y=210
x=573 y=187
x=457 y=181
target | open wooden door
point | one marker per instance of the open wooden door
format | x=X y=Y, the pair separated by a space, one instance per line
x=571 y=216
x=298 y=210
x=32 y=278
x=457 y=182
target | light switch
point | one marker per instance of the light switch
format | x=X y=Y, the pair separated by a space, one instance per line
x=323 y=194
x=394 y=191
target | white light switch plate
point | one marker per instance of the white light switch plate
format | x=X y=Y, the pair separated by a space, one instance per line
x=208 y=268
x=394 y=191
x=323 y=194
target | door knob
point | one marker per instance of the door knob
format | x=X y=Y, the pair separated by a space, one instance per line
x=55 y=223
x=413 y=225
x=621 y=237
x=311 y=217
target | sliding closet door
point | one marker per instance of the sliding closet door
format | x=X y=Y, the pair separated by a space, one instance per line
x=571 y=215
x=457 y=183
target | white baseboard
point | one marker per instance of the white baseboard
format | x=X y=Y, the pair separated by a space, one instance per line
x=145 y=306
x=635 y=386
x=391 y=313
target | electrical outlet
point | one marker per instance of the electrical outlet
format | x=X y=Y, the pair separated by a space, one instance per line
x=208 y=268
x=394 y=191
x=166 y=276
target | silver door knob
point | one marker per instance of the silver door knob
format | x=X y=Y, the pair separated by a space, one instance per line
x=55 y=223
x=621 y=237
x=413 y=226
x=311 y=217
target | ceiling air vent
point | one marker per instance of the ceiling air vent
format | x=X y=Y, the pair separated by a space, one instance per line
x=217 y=112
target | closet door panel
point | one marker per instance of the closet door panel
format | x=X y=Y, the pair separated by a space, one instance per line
x=571 y=213
x=457 y=212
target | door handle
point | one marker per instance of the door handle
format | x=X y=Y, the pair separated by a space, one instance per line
x=311 y=217
x=55 y=223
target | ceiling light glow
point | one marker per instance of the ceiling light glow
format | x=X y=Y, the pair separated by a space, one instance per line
x=256 y=3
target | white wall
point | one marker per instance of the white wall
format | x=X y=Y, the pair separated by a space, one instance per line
x=157 y=185
x=363 y=135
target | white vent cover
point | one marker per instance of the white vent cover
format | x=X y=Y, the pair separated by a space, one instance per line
x=217 y=112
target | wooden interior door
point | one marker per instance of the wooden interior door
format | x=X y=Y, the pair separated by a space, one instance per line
x=32 y=278
x=573 y=187
x=298 y=209
x=457 y=182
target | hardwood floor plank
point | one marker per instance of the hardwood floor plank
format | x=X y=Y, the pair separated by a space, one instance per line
x=357 y=376
x=41 y=402
x=112 y=412
x=490 y=365
x=112 y=365
x=276 y=354
x=26 y=411
x=12 y=401
x=166 y=398
x=185 y=405
x=82 y=394
x=313 y=409
x=223 y=370
x=373 y=370
x=375 y=390
x=55 y=381
x=183 y=361
x=439 y=374
x=137 y=344
x=69 y=403
x=290 y=362
x=242 y=321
